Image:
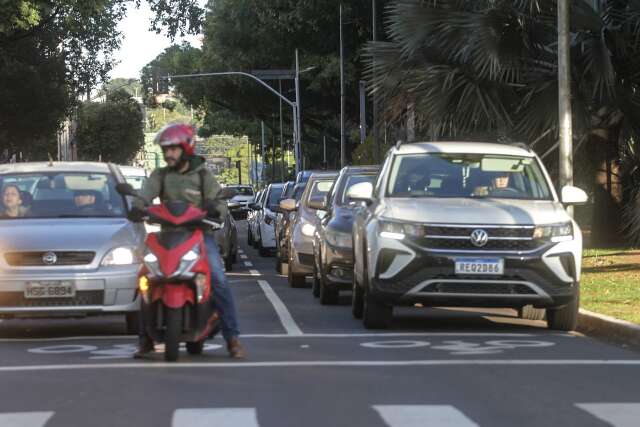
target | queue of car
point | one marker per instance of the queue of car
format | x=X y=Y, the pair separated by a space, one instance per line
x=438 y=224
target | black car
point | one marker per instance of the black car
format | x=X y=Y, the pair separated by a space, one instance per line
x=333 y=246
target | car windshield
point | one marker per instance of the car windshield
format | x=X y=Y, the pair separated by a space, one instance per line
x=60 y=195
x=243 y=191
x=320 y=188
x=468 y=176
x=136 y=181
x=350 y=182
x=274 y=196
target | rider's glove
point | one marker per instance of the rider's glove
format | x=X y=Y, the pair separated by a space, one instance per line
x=136 y=214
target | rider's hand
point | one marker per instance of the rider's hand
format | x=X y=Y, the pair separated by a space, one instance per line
x=136 y=214
x=212 y=209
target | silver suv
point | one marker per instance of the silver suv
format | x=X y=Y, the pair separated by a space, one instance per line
x=466 y=224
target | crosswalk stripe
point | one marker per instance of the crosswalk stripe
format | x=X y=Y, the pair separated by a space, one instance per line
x=24 y=419
x=210 y=417
x=615 y=414
x=423 y=416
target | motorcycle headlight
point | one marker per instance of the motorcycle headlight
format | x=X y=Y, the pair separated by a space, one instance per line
x=151 y=262
x=187 y=262
x=308 y=229
x=120 y=256
x=554 y=232
x=339 y=239
x=398 y=231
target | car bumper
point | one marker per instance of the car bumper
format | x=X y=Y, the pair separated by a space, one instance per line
x=267 y=235
x=107 y=290
x=405 y=274
x=301 y=254
x=337 y=266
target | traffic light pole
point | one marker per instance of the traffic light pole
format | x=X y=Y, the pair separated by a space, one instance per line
x=292 y=104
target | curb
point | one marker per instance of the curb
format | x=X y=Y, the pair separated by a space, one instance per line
x=608 y=328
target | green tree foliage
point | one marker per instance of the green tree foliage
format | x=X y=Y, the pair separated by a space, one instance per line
x=490 y=68
x=111 y=131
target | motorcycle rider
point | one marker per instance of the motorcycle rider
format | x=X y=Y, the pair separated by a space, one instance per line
x=186 y=178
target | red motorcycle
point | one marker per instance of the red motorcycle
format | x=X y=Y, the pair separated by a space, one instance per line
x=174 y=281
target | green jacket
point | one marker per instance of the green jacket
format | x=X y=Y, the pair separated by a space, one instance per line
x=193 y=186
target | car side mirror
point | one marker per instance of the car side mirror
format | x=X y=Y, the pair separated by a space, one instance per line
x=288 y=205
x=574 y=196
x=317 y=203
x=126 y=189
x=233 y=205
x=361 y=192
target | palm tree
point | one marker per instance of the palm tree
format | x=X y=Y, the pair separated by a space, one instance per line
x=489 y=67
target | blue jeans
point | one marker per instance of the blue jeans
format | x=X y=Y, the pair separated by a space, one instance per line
x=222 y=296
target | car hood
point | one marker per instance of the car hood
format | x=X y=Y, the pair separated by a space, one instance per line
x=242 y=199
x=74 y=234
x=473 y=211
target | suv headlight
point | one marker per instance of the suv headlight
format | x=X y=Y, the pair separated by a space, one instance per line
x=398 y=231
x=339 y=239
x=120 y=256
x=554 y=232
x=308 y=229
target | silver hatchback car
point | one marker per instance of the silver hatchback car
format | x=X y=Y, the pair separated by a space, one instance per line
x=67 y=248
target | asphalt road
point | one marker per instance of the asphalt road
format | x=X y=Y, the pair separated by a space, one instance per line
x=311 y=366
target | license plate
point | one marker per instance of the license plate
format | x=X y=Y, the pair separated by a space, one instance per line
x=49 y=290
x=490 y=267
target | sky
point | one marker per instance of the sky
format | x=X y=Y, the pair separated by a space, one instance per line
x=141 y=45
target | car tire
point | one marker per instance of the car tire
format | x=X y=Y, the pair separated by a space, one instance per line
x=172 y=334
x=278 y=265
x=564 y=318
x=315 y=287
x=249 y=237
x=195 y=347
x=228 y=263
x=133 y=323
x=376 y=315
x=295 y=280
x=529 y=312
x=328 y=295
x=234 y=257
x=357 y=299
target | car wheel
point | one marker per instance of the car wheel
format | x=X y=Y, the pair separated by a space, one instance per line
x=564 y=318
x=195 y=347
x=249 y=237
x=172 y=334
x=315 y=288
x=328 y=295
x=278 y=265
x=234 y=257
x=375 y=315
x=357 y=299
x=228 y=263
x=133 y=325
x=295 y=280
x=529 y=312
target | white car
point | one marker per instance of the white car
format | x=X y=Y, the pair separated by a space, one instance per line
x=466 y=224
x=134 y=176
x=266 y=219
x=244 y=197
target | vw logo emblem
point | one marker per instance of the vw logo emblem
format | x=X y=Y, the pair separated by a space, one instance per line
x=479 y=238
x=49 y=258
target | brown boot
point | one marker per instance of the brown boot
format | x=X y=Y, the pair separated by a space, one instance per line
x=145 y=347
x=235 y=349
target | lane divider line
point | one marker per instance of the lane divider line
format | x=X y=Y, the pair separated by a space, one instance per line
x=219 y=417
x=327 y=363
x=255 y=273
x=423 y=415
x=286 y=319
x=244 y=257
x=248 y=264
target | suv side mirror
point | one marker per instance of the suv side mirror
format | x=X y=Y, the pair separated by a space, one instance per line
x=362 y=192
x=317 y=203
x=574 y=196
x=288 y=205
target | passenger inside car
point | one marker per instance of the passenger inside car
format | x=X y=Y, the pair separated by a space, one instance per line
x=12 y=202
x=89 y=202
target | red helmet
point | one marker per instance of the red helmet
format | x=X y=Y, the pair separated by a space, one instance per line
x=178 y=134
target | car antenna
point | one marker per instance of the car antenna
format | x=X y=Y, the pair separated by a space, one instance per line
x=399 y=143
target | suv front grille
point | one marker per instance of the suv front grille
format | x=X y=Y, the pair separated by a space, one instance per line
x=82 y=298
x=478 y=288
x=37 y=259
x=456 y=238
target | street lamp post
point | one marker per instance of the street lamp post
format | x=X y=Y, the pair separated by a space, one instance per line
x=564 y=95
x=343 y=154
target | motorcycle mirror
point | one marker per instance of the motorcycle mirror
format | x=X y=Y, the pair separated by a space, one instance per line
x=126 y=189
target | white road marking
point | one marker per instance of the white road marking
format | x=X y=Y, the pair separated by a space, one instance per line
x=248 y=264
x=615 y=414
x=244 y=257
x=286 y=319
x=254 y=273
x=25 y=419
x=328 y=335
x=423 y=415
x=327 y=363
x=222 y=417
x=240 y=251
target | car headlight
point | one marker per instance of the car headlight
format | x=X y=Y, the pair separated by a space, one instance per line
x=339 y=239
x=120 y=256
x=308 y=229
x=554 y=232
x=398 y=231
